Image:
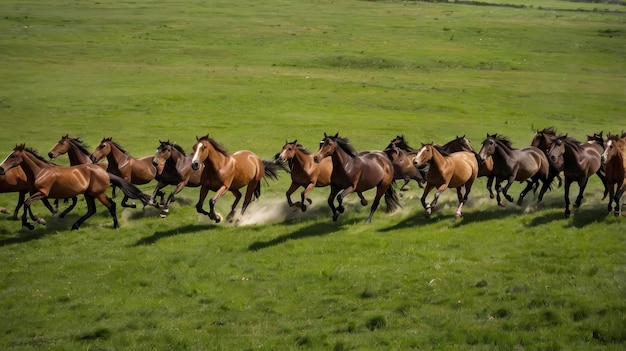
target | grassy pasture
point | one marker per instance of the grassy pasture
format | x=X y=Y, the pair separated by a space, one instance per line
x=253 y=74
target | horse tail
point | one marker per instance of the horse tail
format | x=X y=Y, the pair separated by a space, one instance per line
x=391 y=198
x=271 y=169
x=129 y=189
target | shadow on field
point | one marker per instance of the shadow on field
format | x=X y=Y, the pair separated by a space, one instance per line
x=316 y=229
x=585 y=216
x=24 y=237
x=191 y=228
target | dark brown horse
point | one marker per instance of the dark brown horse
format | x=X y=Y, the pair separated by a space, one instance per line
x=357 y=172
x=137 y=171
x=614 y=161
x=173 y=168
x=455 y=170
x=577 y=162
x=224 y=172
x=46 y=180
x=305 y=172
x=401 y=156
x=528 y=164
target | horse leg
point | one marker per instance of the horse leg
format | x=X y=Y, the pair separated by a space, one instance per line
x=125 y=204
x=544 y=188
x=363 y=200
x=505 y=190
x=291 y=190
x=618 y=197
x=170 y=199
x=343 y=194
x=204 y=190
x=108 y=202
x=568 y=183
x=157 y=190
x=406 y=179
x=53 y=210
x=218 y=194
x=91 y=209
x=529 y=186
x=380 y=191
x=582 y=184
x=232 y=212
x=69 y=208
x=489 y=184
x=331 y=201
x=303 y=197
x=427 y=190
x=20 y=202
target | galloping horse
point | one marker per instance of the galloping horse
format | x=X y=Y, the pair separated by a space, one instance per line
x=15 y=181
x=305 y=172
x=528 y=164
x=354 y=172
x=46 y=180
x=577 y=162
x=173 y=168
x=137 y=171
x=401 y=155
x=228 y=172
x=614 y=161
x=455 y=170
x=78 y=153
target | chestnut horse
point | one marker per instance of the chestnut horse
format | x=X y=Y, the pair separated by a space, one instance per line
x=137 y=171
x=224 y=172
x=401 y=156
x=455 y=170
x=305 y=172
x=528 y=164
x=15 y=181
x=173 y=168
x=46 y=180
x=577 y=162
x=354 y=172
x=614 y=161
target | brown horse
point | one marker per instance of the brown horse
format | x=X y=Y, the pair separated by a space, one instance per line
x=78 y=153
x=173 y=168
x=528 y=164
x=354 y=172
x=137 y=171
x=401 y=156
x=305 y=172
x=577 y=162
x=614 y=161
x=224 y=172
x=46 y=180
x=455 y=170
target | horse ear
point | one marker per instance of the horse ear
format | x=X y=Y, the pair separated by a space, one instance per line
x=336 y=135
x=197 y=138
x=601 y=133
x=325 y=135
x=295 y=141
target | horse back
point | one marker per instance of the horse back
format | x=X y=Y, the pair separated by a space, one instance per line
x=64 y=182
x=465 y=168
x=246 y=167
x=376 y=168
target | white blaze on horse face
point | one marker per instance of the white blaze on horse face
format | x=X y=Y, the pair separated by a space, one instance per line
x=418 y=158
x=195 y=158
x=605 y=154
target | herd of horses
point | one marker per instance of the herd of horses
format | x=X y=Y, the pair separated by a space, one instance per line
x=336 y=164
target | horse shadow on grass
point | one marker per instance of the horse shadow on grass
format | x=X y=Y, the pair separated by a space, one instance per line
x=316 y=229
x=188 y=229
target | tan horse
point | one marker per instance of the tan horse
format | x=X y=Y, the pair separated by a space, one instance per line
x=46 y=180
x=173 y=168
x=357 y=172
x=137 y=171
x=455 y=170
x=225 y=172
x=614 y=161
x=15 y=181
x=304 y=172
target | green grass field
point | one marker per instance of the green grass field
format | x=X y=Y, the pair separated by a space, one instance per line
x=255 y=73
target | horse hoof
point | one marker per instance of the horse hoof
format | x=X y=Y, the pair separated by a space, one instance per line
x=458 y=215
x=309 y=201
x=3 y=210
x=217 y=218
x=509 y=198
x=303 y=208
x=519 y=202
x=492 y=196
x=28 y=226
x=41 y=221
x=335 y=218
x=340 y=209
x=364 y=202
x=501 y=204
x=74 y=227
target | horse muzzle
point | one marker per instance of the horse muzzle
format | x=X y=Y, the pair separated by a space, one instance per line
x=2 y=171
x=195 y=165
x=51 y=155
x=93 y=159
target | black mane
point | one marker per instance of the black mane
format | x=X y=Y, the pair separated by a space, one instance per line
x=215 y=144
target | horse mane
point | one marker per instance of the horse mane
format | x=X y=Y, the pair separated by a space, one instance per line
x=303 y=149
x=571 y=142
x=81 y=145
x=403 y=144
x=174 y=145
x=344 y=143
x=32 y=152
x=216 y=145
x=440 y=149
x=502 y=140
x=116 y=145
x=548 y=130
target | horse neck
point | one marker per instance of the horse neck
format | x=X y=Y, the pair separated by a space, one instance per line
x=341 y=159
x=301 y=159
x=116 y=156
x=77 y=156
x=503 y=151
x=32 y=165
x=438 y=160
x=571 y=157
x=215 y=159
